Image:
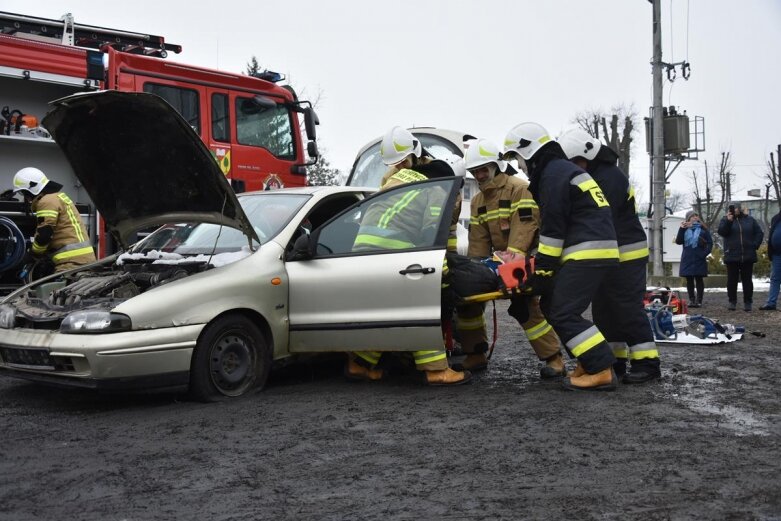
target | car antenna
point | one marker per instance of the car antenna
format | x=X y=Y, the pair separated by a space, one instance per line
x=222 y=213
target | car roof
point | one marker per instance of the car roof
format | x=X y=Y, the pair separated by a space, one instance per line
x=456 y=137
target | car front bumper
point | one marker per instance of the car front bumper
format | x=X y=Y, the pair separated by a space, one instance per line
x=155 y=358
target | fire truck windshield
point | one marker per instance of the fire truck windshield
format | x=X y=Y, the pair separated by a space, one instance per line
x=266 y=127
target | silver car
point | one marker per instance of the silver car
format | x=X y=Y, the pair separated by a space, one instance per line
x=226 y=284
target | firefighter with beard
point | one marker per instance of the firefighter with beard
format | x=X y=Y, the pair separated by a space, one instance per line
x=400 y=224
x=577 y=251
x=618 y=310
x=60 y=233
x=504 y=219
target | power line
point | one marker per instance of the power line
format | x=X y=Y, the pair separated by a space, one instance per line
x=687 y=30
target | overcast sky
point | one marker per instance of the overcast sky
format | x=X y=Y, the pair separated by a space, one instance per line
x=484 y=66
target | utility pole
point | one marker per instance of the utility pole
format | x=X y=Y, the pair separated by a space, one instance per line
x=658 y=159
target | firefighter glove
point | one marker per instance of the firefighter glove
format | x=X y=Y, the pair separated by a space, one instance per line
x=542 y=282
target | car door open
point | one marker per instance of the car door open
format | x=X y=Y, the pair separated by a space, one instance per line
x=372 y=277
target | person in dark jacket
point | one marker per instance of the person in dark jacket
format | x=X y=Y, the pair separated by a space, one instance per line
x=774 y=254
x=742 y=237
x=577 y=251
x=697 y=245
x=618 y=308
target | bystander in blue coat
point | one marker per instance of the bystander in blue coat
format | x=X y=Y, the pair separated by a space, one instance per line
x=697 y=245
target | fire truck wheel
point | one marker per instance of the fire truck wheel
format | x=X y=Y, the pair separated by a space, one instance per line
x=231 y=359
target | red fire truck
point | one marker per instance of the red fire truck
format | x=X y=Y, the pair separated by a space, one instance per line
x=252 y=125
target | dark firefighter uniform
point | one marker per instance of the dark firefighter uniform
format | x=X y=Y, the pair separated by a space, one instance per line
x=60 y=232
x=618 y=308
x=504 y=216
x=578 y=245
x=404 y=222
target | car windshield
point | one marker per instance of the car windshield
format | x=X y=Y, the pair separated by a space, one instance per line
x=369 y=168
x=268 y=212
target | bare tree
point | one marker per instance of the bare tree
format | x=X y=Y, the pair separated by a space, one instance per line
x=677 y=201
x=713 y=190
x=616 y=128
x=773 y=176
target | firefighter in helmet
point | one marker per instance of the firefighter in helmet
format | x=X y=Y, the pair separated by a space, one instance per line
x=399 y=149
x=577 y=251
x=504 y=219
x=402 y=222
x=60 y=233
x=618 y=311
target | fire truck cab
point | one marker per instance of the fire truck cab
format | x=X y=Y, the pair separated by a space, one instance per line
x=253 y=126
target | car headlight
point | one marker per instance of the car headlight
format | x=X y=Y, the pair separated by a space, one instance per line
x=7 y=316
x=95 y=322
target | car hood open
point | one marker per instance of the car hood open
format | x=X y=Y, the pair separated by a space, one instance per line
x=141 y=163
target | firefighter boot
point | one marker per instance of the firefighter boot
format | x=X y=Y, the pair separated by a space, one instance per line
x=577 y=372
x=473 y=362
x=605 y=380
x=447 y=377
x=554 y=367
x=619 y=367
x=359 y=373
x=643 y=371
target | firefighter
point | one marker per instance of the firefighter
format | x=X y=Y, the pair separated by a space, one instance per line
x=60 y=233
x=577 y=251
x=504 y=219
x=618 y=310
x=401 y=222
x=399 y=149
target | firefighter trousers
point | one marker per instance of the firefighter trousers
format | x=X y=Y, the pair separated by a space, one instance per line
x=526 y=310
x=429 y=360
x=575 y=286
x=619 y=313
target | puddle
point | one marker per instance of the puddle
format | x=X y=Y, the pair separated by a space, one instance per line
x=697 y=397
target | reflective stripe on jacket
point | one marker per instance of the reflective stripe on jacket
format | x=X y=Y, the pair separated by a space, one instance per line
x=576 y=221
x=394 y=177
x=504 y=216
x=630 y=235
x=69 y=240
x=401 y=221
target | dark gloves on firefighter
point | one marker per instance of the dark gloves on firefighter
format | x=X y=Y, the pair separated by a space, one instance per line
x=542 y=281
x=544 y=271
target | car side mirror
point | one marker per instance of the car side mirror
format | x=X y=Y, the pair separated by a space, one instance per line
x=302 y=248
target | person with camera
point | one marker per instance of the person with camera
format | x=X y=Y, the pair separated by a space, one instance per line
x=697 y=244
x=742 y=237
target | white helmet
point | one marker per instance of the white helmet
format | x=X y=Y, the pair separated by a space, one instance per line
x=577 y=142
x=397 y=144
x=526 y=139
x=30 y=179
x=482 y=152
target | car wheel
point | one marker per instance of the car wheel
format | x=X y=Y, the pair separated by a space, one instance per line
x=231 y=359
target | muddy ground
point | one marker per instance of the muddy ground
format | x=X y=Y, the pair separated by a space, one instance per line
x=703 y=443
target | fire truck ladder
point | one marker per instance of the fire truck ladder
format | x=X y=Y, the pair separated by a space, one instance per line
x=68 y=33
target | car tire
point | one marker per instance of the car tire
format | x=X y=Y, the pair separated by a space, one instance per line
x=231 y=359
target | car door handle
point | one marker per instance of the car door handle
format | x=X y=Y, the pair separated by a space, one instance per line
x=424 y=271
